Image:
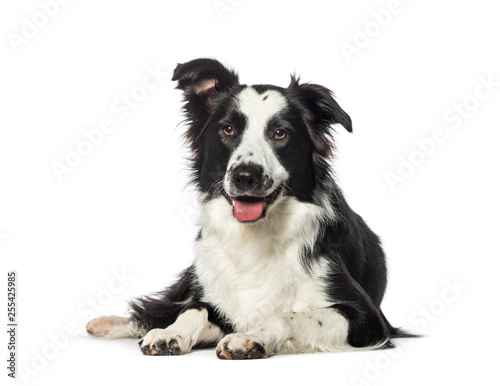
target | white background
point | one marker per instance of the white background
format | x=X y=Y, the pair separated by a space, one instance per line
x=125 y=208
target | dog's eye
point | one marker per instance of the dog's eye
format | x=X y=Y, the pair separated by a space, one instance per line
x=280 y=134
x=228 y=130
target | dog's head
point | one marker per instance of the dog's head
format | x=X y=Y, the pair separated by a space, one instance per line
x=256 y=144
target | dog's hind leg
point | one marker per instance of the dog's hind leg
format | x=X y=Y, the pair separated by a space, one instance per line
x=114 y=327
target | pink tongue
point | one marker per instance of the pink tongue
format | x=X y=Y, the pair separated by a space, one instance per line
x=248 y=211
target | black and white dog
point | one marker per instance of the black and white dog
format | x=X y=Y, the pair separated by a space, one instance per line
x=283 y=264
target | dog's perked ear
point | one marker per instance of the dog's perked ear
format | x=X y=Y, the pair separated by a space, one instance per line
x=202 y=79
x=320 y=102
x=322 y=112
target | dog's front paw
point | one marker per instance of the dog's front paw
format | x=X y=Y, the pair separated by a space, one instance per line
x=241 y=346
x=164 y=342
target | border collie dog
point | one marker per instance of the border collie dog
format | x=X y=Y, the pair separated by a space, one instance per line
x=283 y=264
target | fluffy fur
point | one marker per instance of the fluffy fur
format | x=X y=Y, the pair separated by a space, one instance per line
x=283 y=265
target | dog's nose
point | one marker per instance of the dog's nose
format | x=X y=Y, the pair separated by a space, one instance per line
x=246 y=177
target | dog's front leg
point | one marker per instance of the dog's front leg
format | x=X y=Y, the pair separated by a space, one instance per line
x=289 y=332
x=191 y=327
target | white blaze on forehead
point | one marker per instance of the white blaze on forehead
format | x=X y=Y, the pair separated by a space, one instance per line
x=254 y=147
x=259 y=108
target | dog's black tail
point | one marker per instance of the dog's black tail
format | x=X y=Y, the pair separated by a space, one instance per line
x=396 y=332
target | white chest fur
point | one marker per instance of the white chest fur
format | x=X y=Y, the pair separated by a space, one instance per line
x=252 y=271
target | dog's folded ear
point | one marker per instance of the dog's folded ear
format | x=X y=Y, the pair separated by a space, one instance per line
x=320 y=101
x=202 y=79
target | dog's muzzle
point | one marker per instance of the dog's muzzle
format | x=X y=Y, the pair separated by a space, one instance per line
x=249 y=192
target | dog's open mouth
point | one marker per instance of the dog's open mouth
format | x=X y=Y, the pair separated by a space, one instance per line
x=247 y=208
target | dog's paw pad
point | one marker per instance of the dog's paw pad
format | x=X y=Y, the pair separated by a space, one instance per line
x=161 y=342
x=240 y=346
